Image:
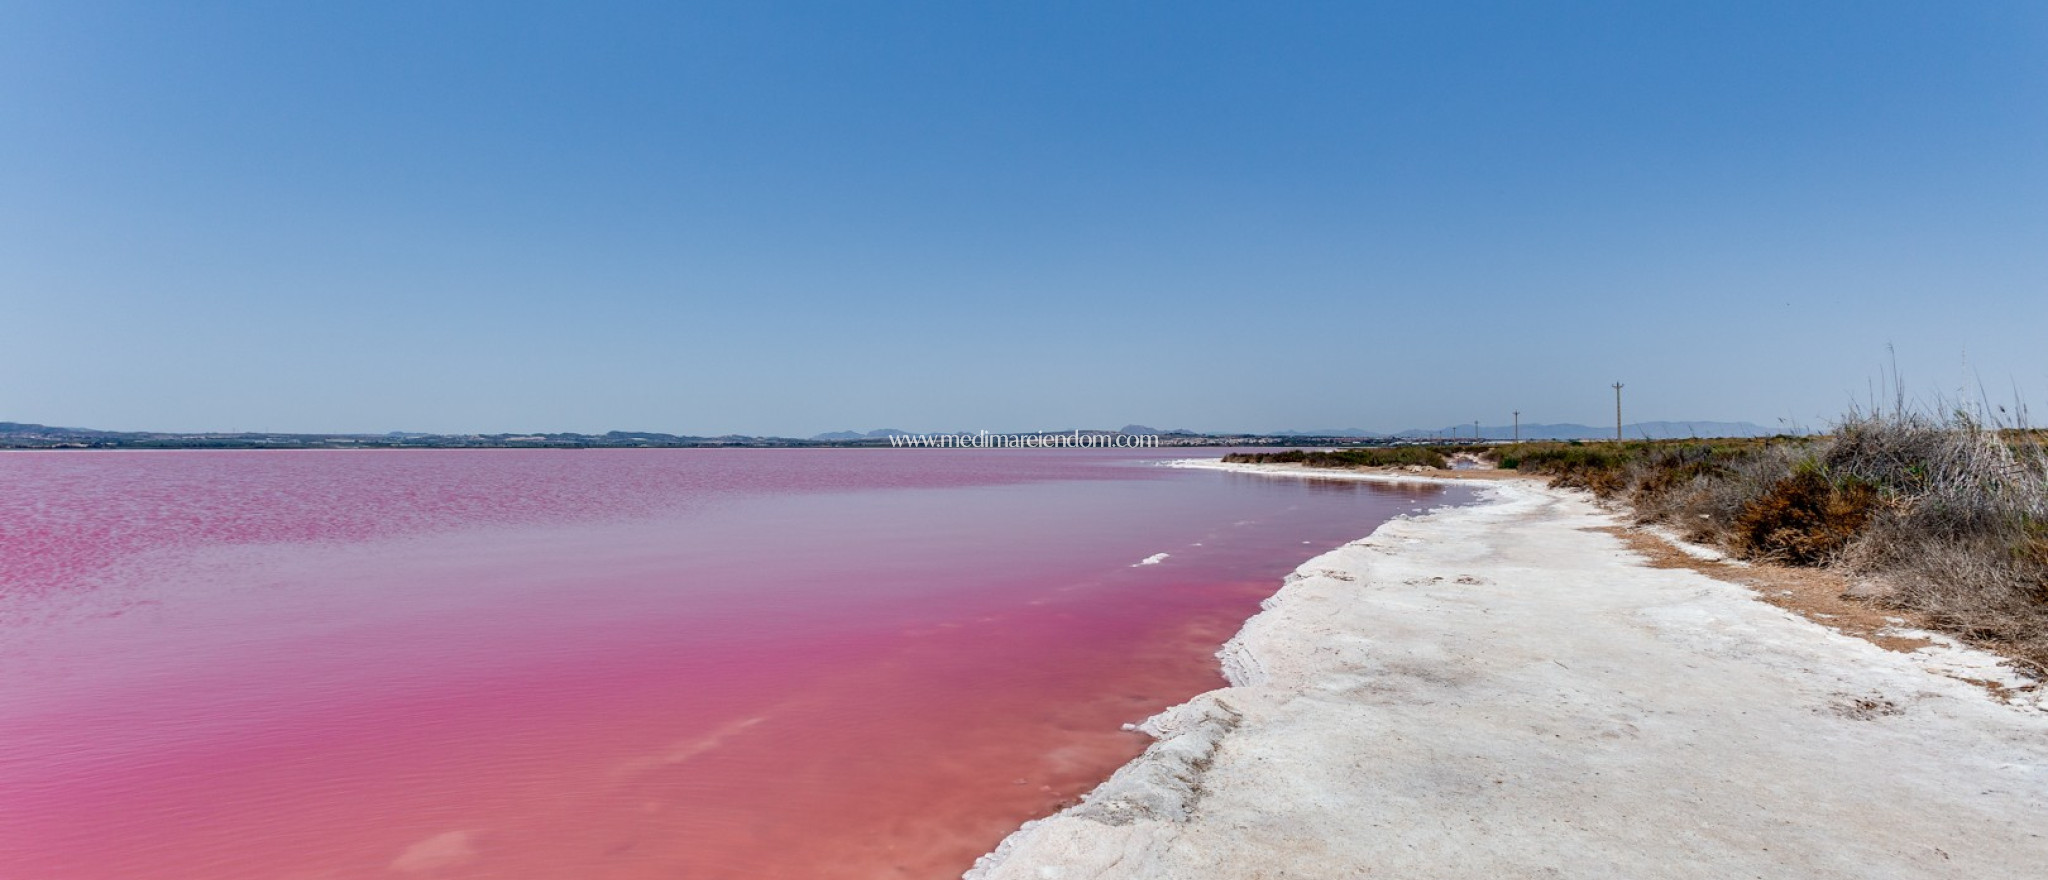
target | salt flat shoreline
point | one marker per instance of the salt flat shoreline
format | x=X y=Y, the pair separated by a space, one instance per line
x=1503 y=689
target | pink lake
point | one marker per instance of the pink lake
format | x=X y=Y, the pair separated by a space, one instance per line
x=512 y=664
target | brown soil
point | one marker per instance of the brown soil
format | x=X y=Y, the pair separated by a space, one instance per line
x=1812 y=593
x=1815 y=594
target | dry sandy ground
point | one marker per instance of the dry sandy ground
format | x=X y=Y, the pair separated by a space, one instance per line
x=1509 y=690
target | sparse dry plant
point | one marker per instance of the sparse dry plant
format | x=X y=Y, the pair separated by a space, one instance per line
x=1964 y=537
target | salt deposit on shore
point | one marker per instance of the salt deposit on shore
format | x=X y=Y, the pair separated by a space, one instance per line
x=1502 y=690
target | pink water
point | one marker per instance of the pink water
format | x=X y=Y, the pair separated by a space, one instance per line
x=602 y=664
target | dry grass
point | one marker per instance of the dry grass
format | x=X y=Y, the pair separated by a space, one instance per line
x=1965 y=535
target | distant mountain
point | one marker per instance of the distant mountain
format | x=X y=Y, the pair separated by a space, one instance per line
x=1637 y=431
x=1146 y=429
x=648 y=436
x=30 y=429
x=851 y=436
x=20 y=435
x=1331 y=432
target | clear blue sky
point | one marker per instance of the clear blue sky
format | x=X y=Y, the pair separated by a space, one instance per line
x=794 y=218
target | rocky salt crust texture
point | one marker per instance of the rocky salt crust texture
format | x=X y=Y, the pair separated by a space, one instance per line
x=1500 y=690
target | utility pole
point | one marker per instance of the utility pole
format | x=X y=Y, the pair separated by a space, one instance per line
x=1518 y=426
x=1617 y=412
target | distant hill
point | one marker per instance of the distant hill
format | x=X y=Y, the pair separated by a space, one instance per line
x=850 y=436
x=22 y=435
x=28 y=429
x=1637 y=431
x=1332 y=432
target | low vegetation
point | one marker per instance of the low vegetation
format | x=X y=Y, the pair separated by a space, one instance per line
x=1369 y=456
x=1943 y=515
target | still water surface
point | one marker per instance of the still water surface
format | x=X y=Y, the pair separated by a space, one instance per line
x=622 y=664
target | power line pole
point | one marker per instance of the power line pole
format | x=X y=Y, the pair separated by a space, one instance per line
x=1617 y=412
x=1518 y=426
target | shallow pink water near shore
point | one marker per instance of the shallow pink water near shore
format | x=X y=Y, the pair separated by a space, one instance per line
x=602 y=664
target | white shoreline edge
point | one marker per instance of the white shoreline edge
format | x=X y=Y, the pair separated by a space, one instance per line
x=1339 y=746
